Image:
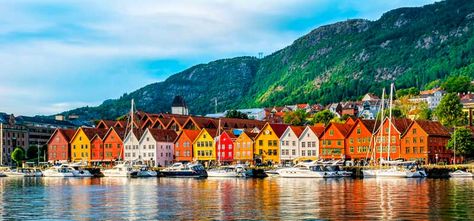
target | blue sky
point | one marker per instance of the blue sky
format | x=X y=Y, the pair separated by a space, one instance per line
x=57 y=55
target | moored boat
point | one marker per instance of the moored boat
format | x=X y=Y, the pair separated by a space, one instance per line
x=59 y=171
x=23 y=172
x=461 y=174
x=229 y=171
x=119 y=170
x=304 y=170
x=184 y=170
x=143 y=171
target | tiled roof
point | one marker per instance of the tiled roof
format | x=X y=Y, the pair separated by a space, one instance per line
x=91 y=132
x=297 y=130
x=251 y=135
x=279 y=129
x=401 y=124
x=162 y=135
x=433 y=128
x=318 y=130
x=191 y=134
x=369 y=124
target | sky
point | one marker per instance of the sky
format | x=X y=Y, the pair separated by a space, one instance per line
x=58 y=55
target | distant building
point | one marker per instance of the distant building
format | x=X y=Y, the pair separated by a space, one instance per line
x=179 y=106
x=431 y=97
x=13 y=135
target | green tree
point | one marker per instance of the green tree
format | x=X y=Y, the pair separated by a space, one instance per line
x=18 y=155
x=407 y=92
x=297 y=118
x=324 y=117
x=449 y=111
x=32 y=152
x=464 y=141
x=236 y=114
x=396 y=113
x=457 y=84
x=424 y=112
x=433 y=84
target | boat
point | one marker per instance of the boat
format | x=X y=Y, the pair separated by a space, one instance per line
x=397 y=169
x=238 y=170
x=143 y=171
x=59 y=171
x=184 y=170
x=79 y=171
x=119 y=170
x=305 y=170
x=461 y=174
x=23 y=172
x=2 y=174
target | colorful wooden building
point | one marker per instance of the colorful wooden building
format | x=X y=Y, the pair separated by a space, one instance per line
x=243 y=149
x=183 y=149
x=309 y=142
x=359 y=141
x=97 y=146
x=157 y=146
x=204 y=146
x=267 y=143
x=113 y=144
x=384 y=137
x=426 y=141
x=225 y=147
x=289 y=144
x=58 y=145
x=132 y=151
x=80 y=144
x=333 y=141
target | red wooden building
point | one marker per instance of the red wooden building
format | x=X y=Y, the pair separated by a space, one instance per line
x=382 y=138
x=332 y=142
x=58 y=145
x=97 y=145
x=359 y=140
x=225 y=147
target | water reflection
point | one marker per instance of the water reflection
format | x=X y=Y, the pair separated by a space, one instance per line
x=229 y=198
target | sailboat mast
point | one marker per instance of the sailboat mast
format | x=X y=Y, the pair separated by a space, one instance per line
x=390 y=122
x=219 y=143
x=131 y=125
x=382 y=116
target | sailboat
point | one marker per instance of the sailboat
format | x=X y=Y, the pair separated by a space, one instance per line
x=127 y=169
x=459 y=173
x=399 y=169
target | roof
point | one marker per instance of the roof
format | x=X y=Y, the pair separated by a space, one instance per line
x=67 y=134
x=178 y=101
x=279 y=129
x=91 y=133
x=120 y=132
x=298 y=130
x=250 y=134
x=230 y=134
x=369 y=124
x=432 y=91
x=343 y=128
x=401 y=124
x=106 y=123
x=318 y=130
x=433 y=128
x=191 y=134
x=212 y=132
x=163 y=135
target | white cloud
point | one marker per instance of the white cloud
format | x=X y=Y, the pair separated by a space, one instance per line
x=55 y=55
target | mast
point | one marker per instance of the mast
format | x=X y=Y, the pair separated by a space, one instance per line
x=390 y=122
x=219 y=142
x=455 y=137
x=131 y=126
x=381 y=125
x=1 y=144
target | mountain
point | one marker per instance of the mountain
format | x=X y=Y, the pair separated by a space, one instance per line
x=409 y=46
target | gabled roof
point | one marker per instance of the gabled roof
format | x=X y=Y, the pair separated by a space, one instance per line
x=318 y=130
x=297 y=130
x=67 y=134
x=369 y=124
x=344 y=129
x=163 y=135
x=120 y=132
x=230 y=134
x=105 y=124
x=432 y=128
x=401 y=124
x=250 y=134
x=99 y=133
x=89 y=132
x=191 y=134
x=279 y=129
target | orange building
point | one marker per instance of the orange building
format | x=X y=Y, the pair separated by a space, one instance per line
x=381 y=137
x=183 y=145
x=359 y=140
x=333 y=141
x=97 y=145
x=113 y=144
x=426 y=142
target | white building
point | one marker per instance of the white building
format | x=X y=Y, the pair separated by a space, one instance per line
x=157 y=147
x=179 y=106
x=289 y=147
x=431 y=97
x=132 y=150
x=309 y=142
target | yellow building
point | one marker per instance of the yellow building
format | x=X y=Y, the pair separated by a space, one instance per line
x=267 y=143
x=81 y=143
x=204 y=148
x=243 y=149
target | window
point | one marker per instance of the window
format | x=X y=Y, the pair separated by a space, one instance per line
x=339 y=143
x=269 y=142
x=351 y=149
x=303 y=153
x=274 y=143
x=303 y=144
x=358 y=130
x=293 y=152
x=421 y=150
x=414 y=139
x=260 y=142
x=414 y=131
x=351 y=140
x=407 y=140
x=331 y=132
x=414 y=149
x=407 y=150
x=294 y=143
x=421 y=140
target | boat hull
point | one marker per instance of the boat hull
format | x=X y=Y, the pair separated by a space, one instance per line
x=192 y=174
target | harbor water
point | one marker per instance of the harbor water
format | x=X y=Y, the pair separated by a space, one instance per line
x=234 y=198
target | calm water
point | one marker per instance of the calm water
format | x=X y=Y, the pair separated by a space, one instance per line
x=226 y=199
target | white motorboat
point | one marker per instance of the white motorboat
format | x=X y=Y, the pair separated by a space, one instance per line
x=305 y=170
x=398 y=169
x=119 y=170
x=184 y=170
x=23 y=172
x=238 y=170
x=143 y=171
x=59 y=171
x=461 y=174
